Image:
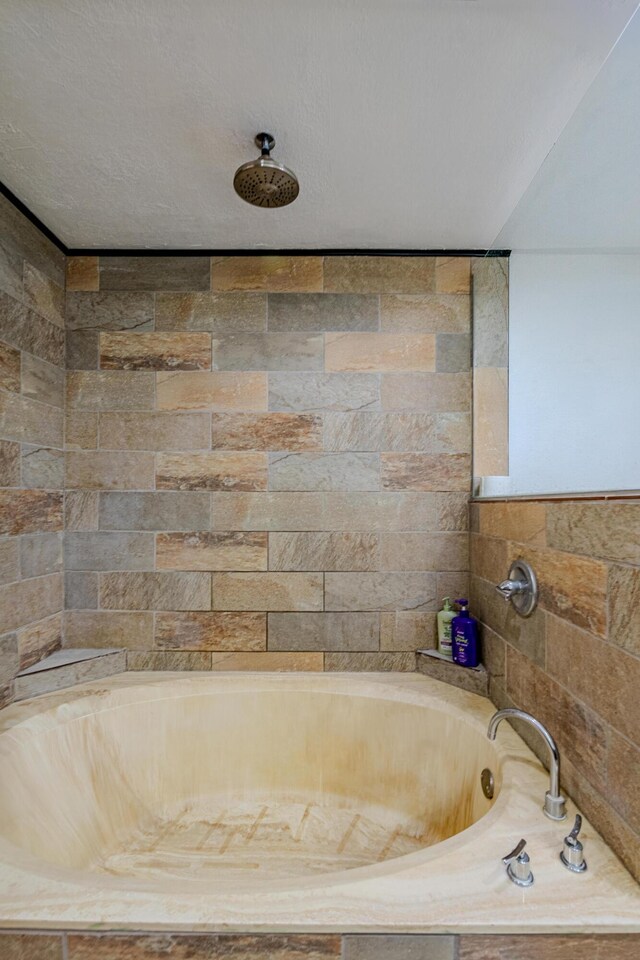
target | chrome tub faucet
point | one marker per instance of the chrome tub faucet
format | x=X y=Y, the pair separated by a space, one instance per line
x=554 y=803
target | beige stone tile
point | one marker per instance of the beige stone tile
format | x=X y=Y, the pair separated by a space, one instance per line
x=39 y=639
x=109 y=470
x=42 y=381
x=81 y=510
x=610 y=530
x=362 y=274
x=43 y=295
x=324 y=631
x=211 y=631
x=572 y=587
x=155 y=351
x=624 y=608
x=219 y=470
x=219 y=391
x=324 y=471
x=167 y=660
x=179 y=511
x=398 y=947
x=293 y=432
x=453 y=275
x=110 y=390
x=605 y=678
x=267 y=591
x=82 y=273
x=81 y=590
x=490 y=422
x=549 y=947
x=521 y=521
x=26 y=330
x=108 y=628
x=417 y=471
x=155 y=431
x=155 y=591
x=31 y=946
x=370 y=512
x=380 y=351
x=216 y=313
x=25 y=420
x=424 y=432
x=269 y=351
x=453 y=352
x=299 y=392
x=42 y=467
x=80 y=430
x=431 y=313
x=404 y=662
x=424 y=551
x=163 y=272
x=81 y=350
x=322 y=311
x=380 y=591
x=9 y=464
x=622 y=761
x=109 y=310
x=427 y=392
x=275 y=274
x=9 y=560
x=324 y=551
x=489 y=558
x=211 y=551
x=271 y=661
x=9 y=666
x=30 y=600
x=579 y=731
x=9 y=368
x=40 y=554
x=108 y=551
x=30 y=511
x=407 y=630
x=491 y=312
x=452 y=511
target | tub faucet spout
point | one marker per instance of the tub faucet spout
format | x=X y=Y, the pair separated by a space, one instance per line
x=554 y=803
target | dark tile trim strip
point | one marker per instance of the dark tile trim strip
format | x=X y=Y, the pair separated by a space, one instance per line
x=560 y=497
x=231 y=252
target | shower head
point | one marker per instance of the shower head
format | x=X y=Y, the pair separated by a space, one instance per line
x=263 y=182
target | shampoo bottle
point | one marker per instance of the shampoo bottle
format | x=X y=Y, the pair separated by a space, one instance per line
x=445 y=616
x=464 y=637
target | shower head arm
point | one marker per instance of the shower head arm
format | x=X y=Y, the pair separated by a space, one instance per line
x=266 y=143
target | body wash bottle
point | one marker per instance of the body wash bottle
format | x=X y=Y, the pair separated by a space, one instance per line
x=445 y=616
x=464 y=637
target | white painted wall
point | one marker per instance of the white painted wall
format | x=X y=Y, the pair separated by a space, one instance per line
x=574 y=358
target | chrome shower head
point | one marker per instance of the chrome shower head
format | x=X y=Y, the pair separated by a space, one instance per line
x=263 y=182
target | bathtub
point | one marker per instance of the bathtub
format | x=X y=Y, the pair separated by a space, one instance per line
x=283 y=802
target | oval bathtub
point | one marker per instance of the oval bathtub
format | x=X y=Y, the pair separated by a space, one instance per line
x=273 y=802
x=219 y=781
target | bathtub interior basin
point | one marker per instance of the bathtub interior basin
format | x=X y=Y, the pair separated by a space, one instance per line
x=213 y=781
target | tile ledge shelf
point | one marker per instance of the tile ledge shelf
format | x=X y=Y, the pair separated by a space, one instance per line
x=534 y=497
x=66 y=668
x=473 y=680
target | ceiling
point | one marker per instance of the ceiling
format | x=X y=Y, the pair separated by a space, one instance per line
x=586 y=195
x=410 y=123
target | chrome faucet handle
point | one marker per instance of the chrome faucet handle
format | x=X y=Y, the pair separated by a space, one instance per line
x=509 y=588
x=520 y=588
x=572 y=853
x=518 y=866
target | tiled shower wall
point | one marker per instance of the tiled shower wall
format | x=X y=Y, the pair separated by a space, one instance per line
x=31 y=440
x=268 y=458
x=575 y=664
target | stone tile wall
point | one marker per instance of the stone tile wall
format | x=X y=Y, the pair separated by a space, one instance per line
x=490 y=366
x=268 y=458
x=575 y=663
x=169 y=946
x=32 y=339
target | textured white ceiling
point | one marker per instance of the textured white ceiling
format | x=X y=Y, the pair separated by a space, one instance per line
x=586 y=195
x=410 y=123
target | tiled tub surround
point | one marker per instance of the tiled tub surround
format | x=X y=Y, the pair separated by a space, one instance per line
x=31 y=442
x=575 y=663
x=256 y=832
x=268 y=458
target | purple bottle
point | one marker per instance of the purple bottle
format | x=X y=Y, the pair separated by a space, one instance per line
x=464 y=637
